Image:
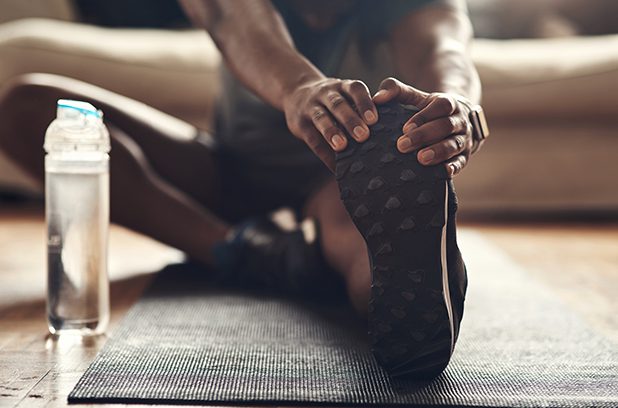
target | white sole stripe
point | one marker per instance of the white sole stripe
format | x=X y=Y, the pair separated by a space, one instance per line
x=445 y=285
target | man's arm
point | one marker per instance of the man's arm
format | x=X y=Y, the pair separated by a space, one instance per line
x=258 y=49
x=430 y=50
x=255 y=45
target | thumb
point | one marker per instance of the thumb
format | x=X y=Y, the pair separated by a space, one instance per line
x=393 y=89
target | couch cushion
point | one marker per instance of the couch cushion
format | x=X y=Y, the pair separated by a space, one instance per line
x=549 y=78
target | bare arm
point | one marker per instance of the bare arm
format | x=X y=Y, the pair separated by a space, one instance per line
x=257 y=47
x=430 y=49
x=255 y=44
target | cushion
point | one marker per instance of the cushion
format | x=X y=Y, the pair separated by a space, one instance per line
x=549 y=78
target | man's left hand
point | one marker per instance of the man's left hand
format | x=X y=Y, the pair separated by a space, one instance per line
x=441 y=129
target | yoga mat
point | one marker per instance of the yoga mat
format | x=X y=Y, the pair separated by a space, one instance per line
x=185 y=342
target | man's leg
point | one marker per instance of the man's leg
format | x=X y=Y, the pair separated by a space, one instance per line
x=405 y=211
x=343 y=246
x=162 y=180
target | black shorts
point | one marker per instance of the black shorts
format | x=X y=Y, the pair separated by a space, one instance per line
x=251 y=184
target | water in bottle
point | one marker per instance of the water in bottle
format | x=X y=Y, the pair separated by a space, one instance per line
x=77 y=213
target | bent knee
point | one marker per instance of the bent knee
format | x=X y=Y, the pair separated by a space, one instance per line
x=32 y=88
x=27 y=106
x=28 y=97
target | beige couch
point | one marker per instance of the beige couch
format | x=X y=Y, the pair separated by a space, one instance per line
x=552 y=104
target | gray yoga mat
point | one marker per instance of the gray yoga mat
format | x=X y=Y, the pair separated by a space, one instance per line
x=187 y=343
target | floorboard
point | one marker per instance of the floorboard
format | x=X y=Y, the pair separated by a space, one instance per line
x=578 y=261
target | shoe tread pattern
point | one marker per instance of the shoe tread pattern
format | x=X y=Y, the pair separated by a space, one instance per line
x=398 y=206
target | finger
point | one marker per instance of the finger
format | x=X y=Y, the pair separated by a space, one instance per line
x=443 y=150
x=393 y=89
x=431 y=132
x=440 y=106
x=329 y=130
x=320 y=148
x=359 y=94
x=347 y=117
x=456 y=164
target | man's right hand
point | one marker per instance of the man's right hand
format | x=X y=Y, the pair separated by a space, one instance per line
x=258 y=49
x=324 y=112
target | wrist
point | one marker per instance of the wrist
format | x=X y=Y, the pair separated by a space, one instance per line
x=292 y=84
x=477 y=120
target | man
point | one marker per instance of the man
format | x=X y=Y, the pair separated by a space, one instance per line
x=291 y=112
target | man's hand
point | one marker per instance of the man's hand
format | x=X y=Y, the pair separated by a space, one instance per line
x=324 y=112
x=441 y=129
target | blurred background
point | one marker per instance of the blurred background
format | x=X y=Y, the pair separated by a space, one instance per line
x=549 y=70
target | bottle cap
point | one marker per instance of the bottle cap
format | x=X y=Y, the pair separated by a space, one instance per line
x=78 y=127
x=69 y=109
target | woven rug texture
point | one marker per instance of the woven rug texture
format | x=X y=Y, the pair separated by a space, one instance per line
x=186 y=342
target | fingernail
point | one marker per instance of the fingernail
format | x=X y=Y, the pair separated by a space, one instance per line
x=404 y=143
x=409 y=126
x=427 y=155
x=338 y=141
x=380 y=93
x=370 y=116
x=360 y=132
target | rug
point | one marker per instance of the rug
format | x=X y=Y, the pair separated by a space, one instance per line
x=187 y=342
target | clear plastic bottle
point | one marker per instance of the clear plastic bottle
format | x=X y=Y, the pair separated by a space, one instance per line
x=77 y=211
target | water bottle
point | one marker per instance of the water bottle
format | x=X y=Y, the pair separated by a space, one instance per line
x=77 y=213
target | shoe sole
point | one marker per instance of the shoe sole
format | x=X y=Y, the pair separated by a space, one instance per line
x=400 y=208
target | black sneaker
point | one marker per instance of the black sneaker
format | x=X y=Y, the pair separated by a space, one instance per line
x=259 y=254
x=406 y=214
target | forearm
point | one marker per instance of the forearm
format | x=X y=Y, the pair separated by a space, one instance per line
x=438 y=59
x=256 y=46
x=323 y=112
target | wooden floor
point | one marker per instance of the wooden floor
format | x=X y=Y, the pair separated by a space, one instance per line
x=578 y=261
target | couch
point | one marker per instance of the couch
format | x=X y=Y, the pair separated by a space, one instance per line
x=552 y=104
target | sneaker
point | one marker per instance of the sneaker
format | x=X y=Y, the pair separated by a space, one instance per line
x=260 y=254
x=406 y=214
